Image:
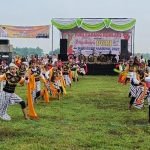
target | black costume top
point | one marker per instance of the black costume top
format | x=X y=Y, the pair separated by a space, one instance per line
x=22 y=71
x=36 y=73
x=11 y=82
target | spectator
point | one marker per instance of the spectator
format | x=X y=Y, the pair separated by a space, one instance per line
x=45 y=60
x=23 y=59
x=47 y=56
x=17 y=61
x=27 y=58
x=54 y=59
x=142 y=59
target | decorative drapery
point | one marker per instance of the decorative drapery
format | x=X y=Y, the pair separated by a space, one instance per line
x=94 y=25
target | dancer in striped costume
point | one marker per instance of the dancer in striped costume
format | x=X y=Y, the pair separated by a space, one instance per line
x=82 y=66
x=138 y=88
x=66 y=71
x=7 y=96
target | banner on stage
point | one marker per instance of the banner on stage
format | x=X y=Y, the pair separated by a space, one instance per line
x=87 y=42
x=7 y=31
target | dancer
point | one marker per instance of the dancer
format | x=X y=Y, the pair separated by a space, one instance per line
x=66 y=71
x=138 y=88
x=38 y=76
x=22 y=69
x=55 y=84
x=82 y=66
x=4 y=67
x=74 y=69
x=7 y=96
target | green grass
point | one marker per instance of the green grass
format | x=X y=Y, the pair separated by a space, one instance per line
x=93 y=115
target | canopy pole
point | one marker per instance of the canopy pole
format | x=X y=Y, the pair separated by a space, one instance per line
x=133 y=41
x=52 y=39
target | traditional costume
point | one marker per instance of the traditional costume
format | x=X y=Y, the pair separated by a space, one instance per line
x=66 y=71
x=138 y=88
x=7 y=96
x=74 y=70
x=82 y=66
x=130 y=69
x=36 y=71
x=55 y=84
x=22 y=69
x=4 y=69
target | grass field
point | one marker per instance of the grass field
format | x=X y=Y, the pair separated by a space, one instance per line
x=92 y=116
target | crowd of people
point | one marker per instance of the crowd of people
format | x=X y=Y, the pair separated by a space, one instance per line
x=55 y=75
x=136 y=71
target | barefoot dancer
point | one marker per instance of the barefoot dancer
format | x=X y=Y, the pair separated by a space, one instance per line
x=7 y=96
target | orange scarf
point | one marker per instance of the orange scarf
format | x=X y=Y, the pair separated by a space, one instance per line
x=31 y=86
x=44 y=93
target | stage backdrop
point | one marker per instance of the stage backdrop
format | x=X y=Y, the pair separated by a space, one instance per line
x=86 y=35
x=24 y=31
x=102 y=41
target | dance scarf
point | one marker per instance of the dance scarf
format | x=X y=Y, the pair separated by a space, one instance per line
x=70 y=75
x=52 y=87
x=74 y=75
x=31 y=86
x=44 y=93
x=122 y=75
x=50 y=73
x=18 y=62
x=125 y=73
x=63 y=84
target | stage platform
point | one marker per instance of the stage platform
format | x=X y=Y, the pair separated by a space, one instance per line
x=101 y=69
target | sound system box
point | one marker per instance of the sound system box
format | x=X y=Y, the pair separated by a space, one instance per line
x=5 y=51
x=6 y=48
x=63 y=57
x=6 y=56
x=124 y=50
x=4 y=42
x=63 y=46
x=124 y=46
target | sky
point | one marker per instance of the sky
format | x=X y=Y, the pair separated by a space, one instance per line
x=40 y=12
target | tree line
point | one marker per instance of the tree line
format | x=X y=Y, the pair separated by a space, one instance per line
x=32 y=51
x=28 y=51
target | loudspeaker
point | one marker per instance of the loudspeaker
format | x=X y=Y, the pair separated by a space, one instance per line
x=63 y=57
x=124 y=50
x=6 y=56
x=63 y=46
x=124 y=46
x=4 y=42
x=6 y=48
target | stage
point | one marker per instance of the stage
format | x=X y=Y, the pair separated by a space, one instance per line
x=101 y=69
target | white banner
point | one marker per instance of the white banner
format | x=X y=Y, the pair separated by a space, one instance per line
x=87 y=42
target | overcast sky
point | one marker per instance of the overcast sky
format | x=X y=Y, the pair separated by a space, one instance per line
x=40 y=12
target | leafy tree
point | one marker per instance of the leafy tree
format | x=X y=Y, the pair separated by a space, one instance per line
x=28 y=51
x=56 y=51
